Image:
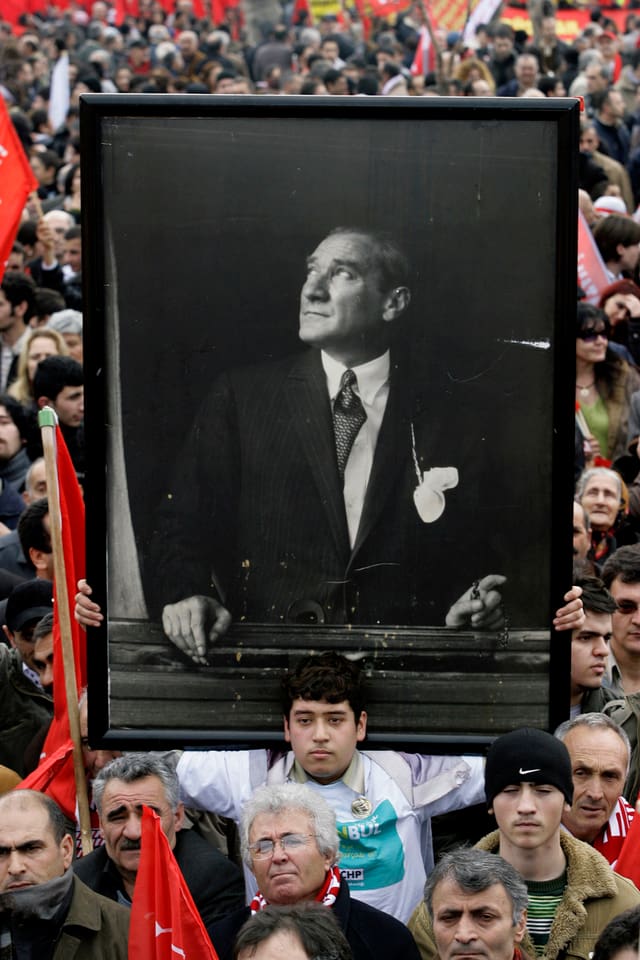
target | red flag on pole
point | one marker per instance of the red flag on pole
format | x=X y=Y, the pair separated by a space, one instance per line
x=16 y=183
x=165 y=922
x=62 y=787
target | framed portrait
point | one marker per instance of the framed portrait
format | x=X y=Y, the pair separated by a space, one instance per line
x=329 y=386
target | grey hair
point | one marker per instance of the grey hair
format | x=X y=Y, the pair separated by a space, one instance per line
x=595 y=721
x=587 y=475
x=474 y=871
x=278 y=798
x=136 y=766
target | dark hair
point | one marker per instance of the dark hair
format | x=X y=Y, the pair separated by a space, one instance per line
x=43 y=627
x=31 y=529
x=624 y=563
x=49 y=158
x=311 y=923
x=47 y=301
x=504 y=31
x=608 y=371
x=619 y=934
x=17 y=288
x=329 y=677
x=18 y=414
x=68 y=184
x=614 y=230
x=73 y=233
x=595 y=596
x=53 y=374
x=28 y=232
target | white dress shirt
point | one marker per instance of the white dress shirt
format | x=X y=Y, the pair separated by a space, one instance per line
x=373 y=389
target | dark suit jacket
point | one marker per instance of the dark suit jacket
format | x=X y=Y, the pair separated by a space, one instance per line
x=370 y=932
x=216 y=884
x=257 y=511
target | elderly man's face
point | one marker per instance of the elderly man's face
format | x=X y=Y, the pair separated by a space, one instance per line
x=29 y=853
x=121 y=819
x=478 y=925
x=581 y=538
x=288 y=875
x=599 y=766
x=343 y=309
x=43 y=661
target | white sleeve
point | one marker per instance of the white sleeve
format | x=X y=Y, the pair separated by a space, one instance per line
x=220 y=780
x=468 y=791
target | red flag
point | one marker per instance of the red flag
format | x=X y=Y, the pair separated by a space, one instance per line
x=48 y=770
x=592 y=274
x=424 y=61
x=628 y=863
x=62 y=788
x=16 y=183
x=165 y=922
x=302 y=6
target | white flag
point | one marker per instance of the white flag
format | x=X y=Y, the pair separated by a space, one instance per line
x=59 y=96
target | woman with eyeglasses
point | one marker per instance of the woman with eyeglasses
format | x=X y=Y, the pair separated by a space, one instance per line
x=604 y=385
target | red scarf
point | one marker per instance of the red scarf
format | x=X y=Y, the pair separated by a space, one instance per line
x=326 y=894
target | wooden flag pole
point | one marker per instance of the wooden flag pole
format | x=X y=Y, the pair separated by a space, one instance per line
x=47 y=421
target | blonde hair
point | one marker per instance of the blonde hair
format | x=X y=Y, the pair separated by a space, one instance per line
x=21 y=389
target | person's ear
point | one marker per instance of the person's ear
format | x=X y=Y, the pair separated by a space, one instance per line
x=361 y=727
x=287 y=732
x=396 y=302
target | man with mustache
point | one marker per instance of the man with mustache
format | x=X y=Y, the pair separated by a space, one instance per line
x=119 y=791
x=478 y=906
x=45 y=911
x=572 y=890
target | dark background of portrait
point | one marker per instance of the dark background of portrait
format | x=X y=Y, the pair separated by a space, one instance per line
x=211 y=220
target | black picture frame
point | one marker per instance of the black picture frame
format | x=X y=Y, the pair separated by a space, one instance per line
x=200 y=212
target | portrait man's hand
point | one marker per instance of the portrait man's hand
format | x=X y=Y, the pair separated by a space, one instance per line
x=195 y=623
x=480 y=606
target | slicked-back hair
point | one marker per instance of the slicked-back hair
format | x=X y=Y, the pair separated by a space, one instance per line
x=136 y=766
x=474 y=871
x=621 y=933
x=595 y=596
x=594 y=721
x=388 y=258
x=329 y=677
x=280 y=798
x=623 y=564
x=311 y=923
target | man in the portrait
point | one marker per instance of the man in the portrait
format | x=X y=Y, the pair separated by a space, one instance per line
x=324 y=488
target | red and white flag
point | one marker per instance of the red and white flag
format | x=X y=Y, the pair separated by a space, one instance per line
x=628 y=863
x=165 y=922
x=424 y=61
x=16 y=183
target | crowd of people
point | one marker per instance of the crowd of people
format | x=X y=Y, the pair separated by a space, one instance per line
x=324 y=849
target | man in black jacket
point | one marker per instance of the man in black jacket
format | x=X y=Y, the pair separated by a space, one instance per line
x=119 y=791
x=290 y=841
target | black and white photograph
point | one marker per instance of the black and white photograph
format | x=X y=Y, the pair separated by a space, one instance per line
x=327 y=361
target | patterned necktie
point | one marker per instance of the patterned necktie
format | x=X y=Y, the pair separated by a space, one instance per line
x=348 y=417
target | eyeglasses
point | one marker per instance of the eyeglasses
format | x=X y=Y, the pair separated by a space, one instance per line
x=263 y=849
x=590 y=336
